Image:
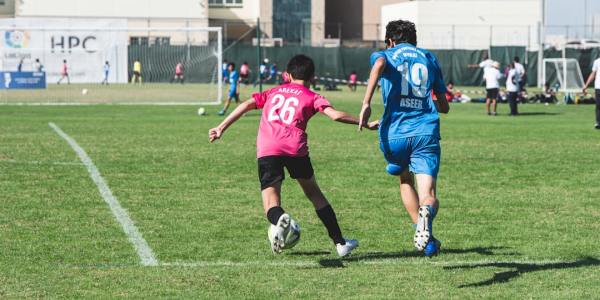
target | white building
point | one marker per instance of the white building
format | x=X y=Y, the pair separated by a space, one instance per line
x=469 y=24
x=135 y=13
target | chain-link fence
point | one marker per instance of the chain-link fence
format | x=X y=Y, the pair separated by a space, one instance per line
x=439 y=36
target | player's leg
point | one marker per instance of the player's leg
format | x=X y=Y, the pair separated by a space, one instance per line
x=300 y=168
x=512 y=101
x=270 y=173
x=225 y=106
x=424 y=163
x=495 y=101
x=426 y=185
x=182 y=78
x=597 y=109
x=68 y=79
x=409 y=195
x=487 y=101
x=396 y=153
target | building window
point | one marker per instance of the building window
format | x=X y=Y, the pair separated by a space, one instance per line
x=224 y=3
x=152 y=41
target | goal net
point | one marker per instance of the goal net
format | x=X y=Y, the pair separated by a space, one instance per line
x=563 y=73
x=110 y=65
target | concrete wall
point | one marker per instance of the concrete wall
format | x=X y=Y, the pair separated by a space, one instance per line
x=188 y=9
x=474 y=24
x=317 y=28
x=372 y=17
x=249 y=11
x=242 y=19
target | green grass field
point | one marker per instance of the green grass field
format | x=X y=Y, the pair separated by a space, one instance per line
x=518 y=219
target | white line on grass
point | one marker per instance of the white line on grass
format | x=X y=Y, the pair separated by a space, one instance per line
x=37 y=162
x=135 y=237
x=344 y=262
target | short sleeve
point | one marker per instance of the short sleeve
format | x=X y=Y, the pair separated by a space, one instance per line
x=482 y=64
x=321 y=103
x=260 y=99
x=596 y=65
x=438 y=84
x=375 y=56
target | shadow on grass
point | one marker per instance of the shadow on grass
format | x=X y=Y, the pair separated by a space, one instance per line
x=309 y=253
x=338 y=263
x=538 y=113
x=521 y=268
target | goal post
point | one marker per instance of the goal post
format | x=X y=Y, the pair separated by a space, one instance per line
x=111 y=65
x=564 y=72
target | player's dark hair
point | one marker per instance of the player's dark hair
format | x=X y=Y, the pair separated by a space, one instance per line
x=231 y=64
x=301 y=67
x=401 y=31
x=516 y=59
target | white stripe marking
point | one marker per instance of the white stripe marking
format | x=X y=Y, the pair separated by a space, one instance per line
x=384 y=261
x=135 y=237
x=38 y=162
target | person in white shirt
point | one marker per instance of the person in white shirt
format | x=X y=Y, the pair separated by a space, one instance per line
x=521 y=70
x=37 y=66
x=485 y=63
x=492 y=86
x=595 y=75
x=512 y=87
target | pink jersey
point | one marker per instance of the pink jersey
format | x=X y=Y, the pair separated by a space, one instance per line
x=179 y=69
x=65 y=69
x=286 y=111
x=244 y=69
x=353 y=78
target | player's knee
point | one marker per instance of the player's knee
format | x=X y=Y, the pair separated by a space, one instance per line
x=429 y=200
x=393 y=169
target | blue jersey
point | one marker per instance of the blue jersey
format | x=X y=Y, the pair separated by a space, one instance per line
x=233 y=79
x=409 y=76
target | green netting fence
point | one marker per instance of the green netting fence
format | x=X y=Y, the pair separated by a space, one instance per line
x=159 y=62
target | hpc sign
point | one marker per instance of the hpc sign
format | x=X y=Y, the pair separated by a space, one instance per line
x=84 y=44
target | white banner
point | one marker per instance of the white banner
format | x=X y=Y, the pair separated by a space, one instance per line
x=85 y=44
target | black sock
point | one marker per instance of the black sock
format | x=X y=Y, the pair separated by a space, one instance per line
x=327 y=216
x=274 y=213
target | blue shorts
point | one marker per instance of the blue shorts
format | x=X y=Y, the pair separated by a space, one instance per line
x=233 y=94
x=421 y=154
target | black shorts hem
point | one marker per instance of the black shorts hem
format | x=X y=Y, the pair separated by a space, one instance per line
x=270 y=169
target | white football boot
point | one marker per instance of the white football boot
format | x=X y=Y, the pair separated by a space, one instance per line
x=422 y=232
x=277 y=233
x=346 y=249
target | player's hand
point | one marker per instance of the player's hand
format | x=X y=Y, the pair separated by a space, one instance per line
x=214 y=134
x=584 y=90
x=365 y=114
x=374 y=125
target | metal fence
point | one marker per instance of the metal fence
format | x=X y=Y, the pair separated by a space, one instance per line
x=439 y=36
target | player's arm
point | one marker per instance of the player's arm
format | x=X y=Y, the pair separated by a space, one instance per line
x=217 y=132
x=441 y=104
x=365 y=112
x=589 y=81
x=344 y=117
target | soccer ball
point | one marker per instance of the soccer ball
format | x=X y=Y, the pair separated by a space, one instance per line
x=201 y=111
x=293 y=236
x=84 y=92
